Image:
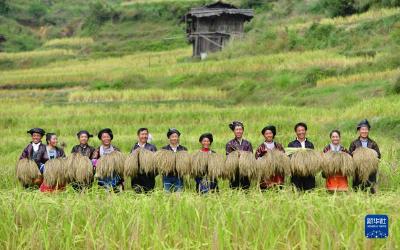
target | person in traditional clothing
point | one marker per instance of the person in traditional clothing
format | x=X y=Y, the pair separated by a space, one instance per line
x=204 y=184
x=269 y=133
x=302 y=182
x=84 y=148
x=238 y=143
x=143 y=182
x=172 y=182
x=35 y=150
x=365 y=141
x=339 y=181
x=52 y=152
x=106 y=136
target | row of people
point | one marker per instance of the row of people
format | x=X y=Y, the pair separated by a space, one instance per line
x=41 y=153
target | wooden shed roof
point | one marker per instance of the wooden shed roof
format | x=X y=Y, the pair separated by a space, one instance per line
x=218 y=9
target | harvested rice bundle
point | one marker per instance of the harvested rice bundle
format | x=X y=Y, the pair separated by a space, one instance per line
x=231 y=165
x=70 y=167
x=131 y=166
x=165 y=161
x=118 y=159
x=338 y=163
x=54 y=173
x=215 y=165
x=366 y=162
x=199 y=162
x=280 y=162
x=27 y=172
x=247 y=164
x=146 y=161
x=105 y=166
x=182 y=163
x=264 y=167
x=306 y=162
x=83 y=169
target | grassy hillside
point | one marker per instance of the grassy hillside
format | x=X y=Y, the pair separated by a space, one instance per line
x=126 y=64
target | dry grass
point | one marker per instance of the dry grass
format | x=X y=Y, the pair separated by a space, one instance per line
x=338 y=163
x=165 y=161
x=231 y=165
x=54 y=172
x=199 y=163
x=366 y=162
x=131 y=166
x=182 y=163
x=146 y=161
x=73 y=41
x=27 y=171
x=247 y=164
x=215 y=165
x=83 y=169
x=305 y=162
x=118 y=162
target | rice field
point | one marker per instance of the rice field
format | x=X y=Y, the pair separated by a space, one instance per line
x=170 y=89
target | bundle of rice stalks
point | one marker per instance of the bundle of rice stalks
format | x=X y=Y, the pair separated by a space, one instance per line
x=118 y=159
x=305 y=162
x=54 y=172
x=338 y=163
x=366 y=162
x=83 y=169
x=70 y=167
x=27 y=171
x=280 y=163
x=264 y=167
x=182 y=163
x=131 y=166
x=231 y=165
x=165 y=161
x=199 y=163
x=146 y=161
x=105 y=167
x=215 y=165
x=247 y=164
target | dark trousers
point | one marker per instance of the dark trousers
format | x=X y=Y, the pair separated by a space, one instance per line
x=303 y=183
x=369 y=185
x=240 y=182
x=143 y=183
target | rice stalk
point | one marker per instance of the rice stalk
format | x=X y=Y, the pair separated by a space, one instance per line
x=105 y=167
x=199 y=162
x=146 y=161
x=131 y=165
x=338 y=163
x=83 y=169
x=247 y=164
x=165 y=161
x=215 y=167
x=366 y=162
x=54 y=172
x=27 y=171
x=305 y=162
x=70 y=167
x=182 y=163
x=118 y=160
x=280 y=162
x=231 y=165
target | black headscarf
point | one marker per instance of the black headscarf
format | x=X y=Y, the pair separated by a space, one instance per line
x=36 y=130
x=272 y=128
x=206 y=135
x=173 y=131
x=235 y=124
x=84 y=132
x=105 y=130
x=363 y=123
